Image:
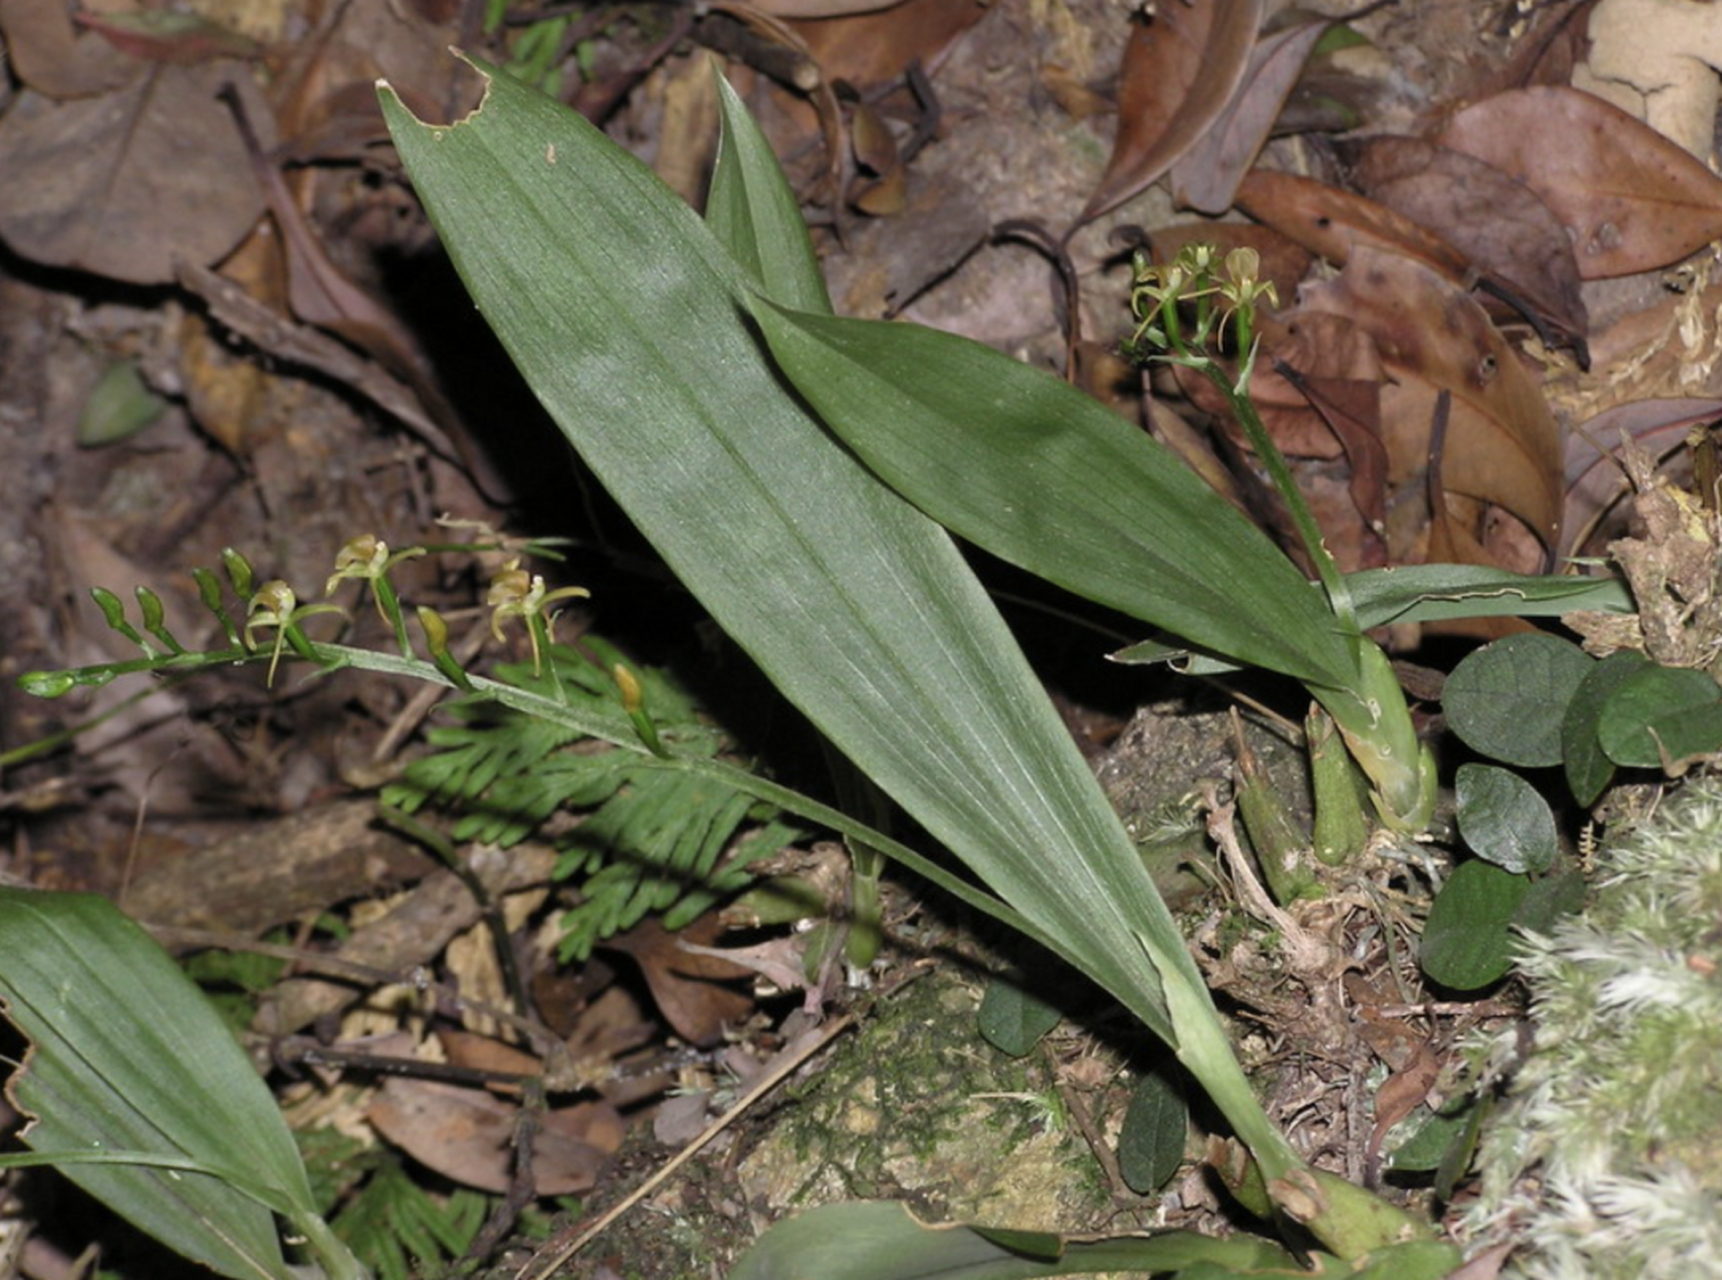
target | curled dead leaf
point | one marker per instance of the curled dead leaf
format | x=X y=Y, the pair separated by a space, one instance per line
x=1496 y=221
x=1180 y=69
x=1206 y=178
x=1334 y=223
x=48 y=55
x=1502 y=443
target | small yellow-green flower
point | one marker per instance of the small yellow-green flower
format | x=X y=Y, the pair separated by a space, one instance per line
x=277 y=605
x=515 y=593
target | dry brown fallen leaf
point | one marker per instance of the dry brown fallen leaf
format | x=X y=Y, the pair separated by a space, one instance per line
x=684 y=985
x=48 y=55
x=871 y=48
x=1631 y=199
x=822 y=8
x=1179 y=71
x=466 y=1135
x=1500 y=224
x=127 y=184
x=1333 y=223
x=1206 y=177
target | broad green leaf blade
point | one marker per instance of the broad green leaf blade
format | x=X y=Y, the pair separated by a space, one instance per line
x=1588 y=768
x=754 y=214
x=1441 y=592
x=1152 y=1138
x=626 y=317
x=1042 y=476
x=128 y=1055
x=881 y=1240
x=1013 y=1020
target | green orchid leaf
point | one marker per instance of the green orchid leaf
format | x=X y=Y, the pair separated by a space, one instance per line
x=627 y=317
x=127 y=1056
x=1042 y=476
x=755 y=215
x=631 y=321
x=883 y=1241
x=1443 y=592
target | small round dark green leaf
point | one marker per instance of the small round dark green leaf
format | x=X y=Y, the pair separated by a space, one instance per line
x=1661 y=715
x=1466 y=942
x=1151 y=1141
x=1508 y=700
x=1588 y=767
x=1548 y=899
x=1504 y=819
x=1012 y=1020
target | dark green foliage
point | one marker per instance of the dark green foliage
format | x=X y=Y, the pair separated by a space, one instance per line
x=655 y=837
x=391 y=1223
x=1156 y=1124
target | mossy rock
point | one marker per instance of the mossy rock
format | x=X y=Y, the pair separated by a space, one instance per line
x=911 y=1105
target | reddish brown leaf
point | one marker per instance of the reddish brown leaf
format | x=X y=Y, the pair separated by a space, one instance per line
x=821 y=8
x=1327 y=371
x=685 y=984
x=1631 y=199
x=1206 y=177
x=1401 y=1094
x=466 y=1135
x=871 y=48
x=1333 y=223
x=1317 y=388
x=1499 y=223
x=1502 y=443
x=124 y=185
x=1180 y=70
x=159 y=35
x=485 y=1053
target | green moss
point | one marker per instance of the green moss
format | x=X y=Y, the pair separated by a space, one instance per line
x=1605 y=1159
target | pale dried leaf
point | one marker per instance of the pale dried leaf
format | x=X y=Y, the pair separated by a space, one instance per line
x=129 y=183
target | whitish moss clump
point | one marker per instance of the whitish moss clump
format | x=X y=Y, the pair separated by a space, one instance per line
x=1605 y=1159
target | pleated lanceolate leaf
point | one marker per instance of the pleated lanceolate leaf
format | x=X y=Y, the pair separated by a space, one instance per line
x=628 y=318
x=1043 y=476
x=882 y=1240
x=127 y=1056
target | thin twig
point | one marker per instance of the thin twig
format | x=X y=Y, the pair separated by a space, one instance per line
x=560 y=1248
